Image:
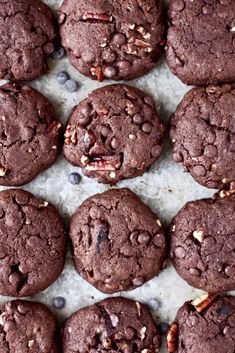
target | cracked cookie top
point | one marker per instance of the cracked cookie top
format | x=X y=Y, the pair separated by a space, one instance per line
x=32 y=244
x=27 y=34
x=203 y=243
x=112 y=325
x=207 y=330
x=201 y=41
x=114 y=134
x=29 y=134
x=202 y=131
x=118 y=242
x=27 y=327
x=112 y=39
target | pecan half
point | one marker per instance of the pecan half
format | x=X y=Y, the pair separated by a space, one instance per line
x=97 y=16
x=98 y=72
x=105 y=163
x=203 y=302
x=172 y=338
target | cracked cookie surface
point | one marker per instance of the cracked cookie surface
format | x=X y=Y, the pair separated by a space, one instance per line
x=27 y=34
x=210 y=331
x=27 y=327
x=113 y=40
x=118 y=242
x=29 y=134
x=33 y=239
x=112 y=325
x=202 y=131
x=203 y=243
x=201 y=41
x=114 y=134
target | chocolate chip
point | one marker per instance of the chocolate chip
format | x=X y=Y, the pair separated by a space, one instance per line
x=114 y=143
x=58 y=53
x=86 y=110
x=105 y=131
x=74 y=178
x=164 y=328
x=134 y=235
x=194 y=272
x=58 y=302
x=102 y=235
x=180 y=252
x=71 y=85
x=199 y=170
x=119 y=39
x=158 y=240
x=156 y=151
x=108 y=55
x=210 y=151
x=109 y=71
x=62 y=77
x=143 y=238
x=138 y=281
x=178 y=5
x=207 y=10
x=147 y=128
x=153 y=304
x=138 y=119
x=124 y=65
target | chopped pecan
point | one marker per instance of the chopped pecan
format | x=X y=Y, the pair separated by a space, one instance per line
x=43 y=204
x=97 y=16
x=203 y=302
x=172 y=338
x=141 y=43
x=98 y=72
x=70 y=136
x=3 y=171
x=225 y=193
x=54 y=126
x=105 y=163
x=199 y=235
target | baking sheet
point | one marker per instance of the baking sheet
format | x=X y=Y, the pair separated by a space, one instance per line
x=165 y=188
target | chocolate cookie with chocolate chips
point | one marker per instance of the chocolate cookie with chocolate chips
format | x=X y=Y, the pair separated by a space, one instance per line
x=112 y=325
x=27 y=327
x=113 y=40
x=200 y=46
x=29 y=134
x=202 y=132
x=203 y=242
x=32 y=244
x=205 y=325
x=114 y=134
x=118 y=242
x=27 y=34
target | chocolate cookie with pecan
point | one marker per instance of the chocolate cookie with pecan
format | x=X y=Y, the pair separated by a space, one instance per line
x=27 y=327
x=29 y=134
x=203 y=242
x=202 y=131
x=114 y=134
x=118 y=242
x=27 y=34
x=200 y=46
x=109 y=39
x=112 y=325
x=205 y=325
x=32 y=244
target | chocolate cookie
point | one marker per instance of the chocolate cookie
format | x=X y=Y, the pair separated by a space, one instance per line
x=113 y=325
x=29 y=134
x=109 y=39
x=27 y=32
x=201 y=41
x=32 y=244
x=202 y=132
x=205 y=325
x=114 y=134
x=203 y=243
x=27 y=327
x=118 y=242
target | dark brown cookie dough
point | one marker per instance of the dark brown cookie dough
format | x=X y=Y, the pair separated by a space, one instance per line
x=29 y=134
x=203 y=242
x=202 y=132
x=118 y=242
x=32 y=244
x=27 y=32
x=27 y=327
x=113 y=40
x=201 y=41
x=114 y=134
x=113 y=325
x=205 y=325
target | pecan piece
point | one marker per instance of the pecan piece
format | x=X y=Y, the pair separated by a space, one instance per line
x=70 y=136
x=141 y=43
x=54 y=126
x=172 y=338
x=97 y=16
x=104 y=163
x=3 y=171
x=98 y=72
x=203 y=302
